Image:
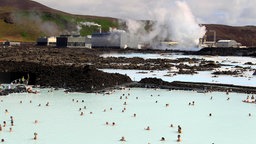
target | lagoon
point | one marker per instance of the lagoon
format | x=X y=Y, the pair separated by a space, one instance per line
x=61 y=122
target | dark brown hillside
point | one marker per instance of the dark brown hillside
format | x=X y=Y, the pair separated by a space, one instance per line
x=26 y=20
x=10 y=5
x=243 y=34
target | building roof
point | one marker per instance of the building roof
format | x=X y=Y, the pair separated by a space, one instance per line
x=225 y=41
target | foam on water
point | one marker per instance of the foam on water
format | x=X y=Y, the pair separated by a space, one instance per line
x=60 y=122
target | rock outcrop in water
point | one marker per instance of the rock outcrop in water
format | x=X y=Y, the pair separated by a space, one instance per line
x=227 y=51
x=74 y=78
x=195 y=86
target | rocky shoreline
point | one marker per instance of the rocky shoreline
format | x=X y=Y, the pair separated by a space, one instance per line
x=195 y=86
x=73 y=78
x=77 y=69
x=227 y=52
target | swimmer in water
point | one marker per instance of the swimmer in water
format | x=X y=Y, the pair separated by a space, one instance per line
x=82 y=113
x=134 y=115
x=1 y=127
x=122 y=138
x=162 y=139
x=12 y=123
x=35 y=136
x=36 y=121
x=179 y=129
x=179 y=138
x=147 y=128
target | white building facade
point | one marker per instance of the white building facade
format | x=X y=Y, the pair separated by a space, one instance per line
x=227 y=43
x=118 y=39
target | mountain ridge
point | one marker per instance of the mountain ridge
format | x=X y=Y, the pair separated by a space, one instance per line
x=27 y=20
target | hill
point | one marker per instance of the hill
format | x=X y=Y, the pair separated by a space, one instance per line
x=244 y=34
x=27 y=20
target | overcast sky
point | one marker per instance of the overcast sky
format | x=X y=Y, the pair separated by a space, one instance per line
x=230 y=12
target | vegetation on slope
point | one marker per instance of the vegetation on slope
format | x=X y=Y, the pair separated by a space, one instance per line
x=27 y=20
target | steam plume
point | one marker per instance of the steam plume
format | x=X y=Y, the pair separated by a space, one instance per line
x=172 y=21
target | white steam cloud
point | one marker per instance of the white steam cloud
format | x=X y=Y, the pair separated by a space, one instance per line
x=230 y=12
x=89 y=24
x=171 y=22
x=170 y=19
x=47 y=27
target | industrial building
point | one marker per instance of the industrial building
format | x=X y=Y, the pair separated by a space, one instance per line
x=11 y=43
x=114 y=39
x=227 y=43
x=47 y=41
x=74 y=41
